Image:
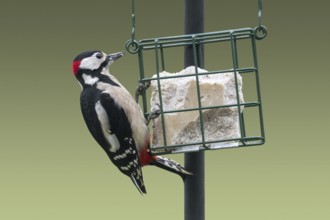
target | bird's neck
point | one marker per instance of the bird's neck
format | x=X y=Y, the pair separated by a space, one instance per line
x=90 y=78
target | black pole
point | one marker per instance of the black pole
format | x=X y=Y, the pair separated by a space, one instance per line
x=194 y=186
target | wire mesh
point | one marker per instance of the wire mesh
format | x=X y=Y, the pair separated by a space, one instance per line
x=244 y=108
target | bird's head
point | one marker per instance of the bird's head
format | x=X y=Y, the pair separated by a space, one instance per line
x=93 y=61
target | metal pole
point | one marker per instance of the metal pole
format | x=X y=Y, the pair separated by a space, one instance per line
x=194 y=186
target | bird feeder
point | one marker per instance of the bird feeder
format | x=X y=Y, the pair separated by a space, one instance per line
x=245 y=112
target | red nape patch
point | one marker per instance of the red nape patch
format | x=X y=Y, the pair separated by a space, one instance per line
x=75 y=67
x=145 y=157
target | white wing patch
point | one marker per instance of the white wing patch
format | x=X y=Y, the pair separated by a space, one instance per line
x=104 y=121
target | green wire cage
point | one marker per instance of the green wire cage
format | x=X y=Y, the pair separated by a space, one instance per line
x=249 y=119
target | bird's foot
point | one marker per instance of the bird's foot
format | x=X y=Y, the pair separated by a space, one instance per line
x=155 y=113
x=140 y=89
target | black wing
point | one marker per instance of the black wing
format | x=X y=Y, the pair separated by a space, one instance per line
x=117 y=119
x=126 y=158
x=88 y=97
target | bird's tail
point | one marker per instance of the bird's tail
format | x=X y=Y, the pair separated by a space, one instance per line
x=138 y=182
x=170 y=165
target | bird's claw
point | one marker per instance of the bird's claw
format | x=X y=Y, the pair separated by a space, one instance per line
x=155 y=113
x=140 y=89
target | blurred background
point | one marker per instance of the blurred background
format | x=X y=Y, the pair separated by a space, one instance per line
x=51 y=168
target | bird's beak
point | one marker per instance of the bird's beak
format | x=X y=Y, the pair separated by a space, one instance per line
x=114 y=56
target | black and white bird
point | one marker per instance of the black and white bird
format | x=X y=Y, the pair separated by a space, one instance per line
x=114 y=118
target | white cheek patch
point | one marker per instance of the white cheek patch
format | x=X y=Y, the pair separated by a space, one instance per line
x=90 y=63
x=104 y=121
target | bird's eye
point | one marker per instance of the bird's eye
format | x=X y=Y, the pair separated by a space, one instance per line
x=99 y=56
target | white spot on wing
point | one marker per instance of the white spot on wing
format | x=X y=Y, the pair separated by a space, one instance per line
x=104 y=121
x=129 y=151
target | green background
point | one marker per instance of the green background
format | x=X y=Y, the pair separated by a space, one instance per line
x=51 y=168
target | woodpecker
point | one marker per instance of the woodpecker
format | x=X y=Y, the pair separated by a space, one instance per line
x=115 y=119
